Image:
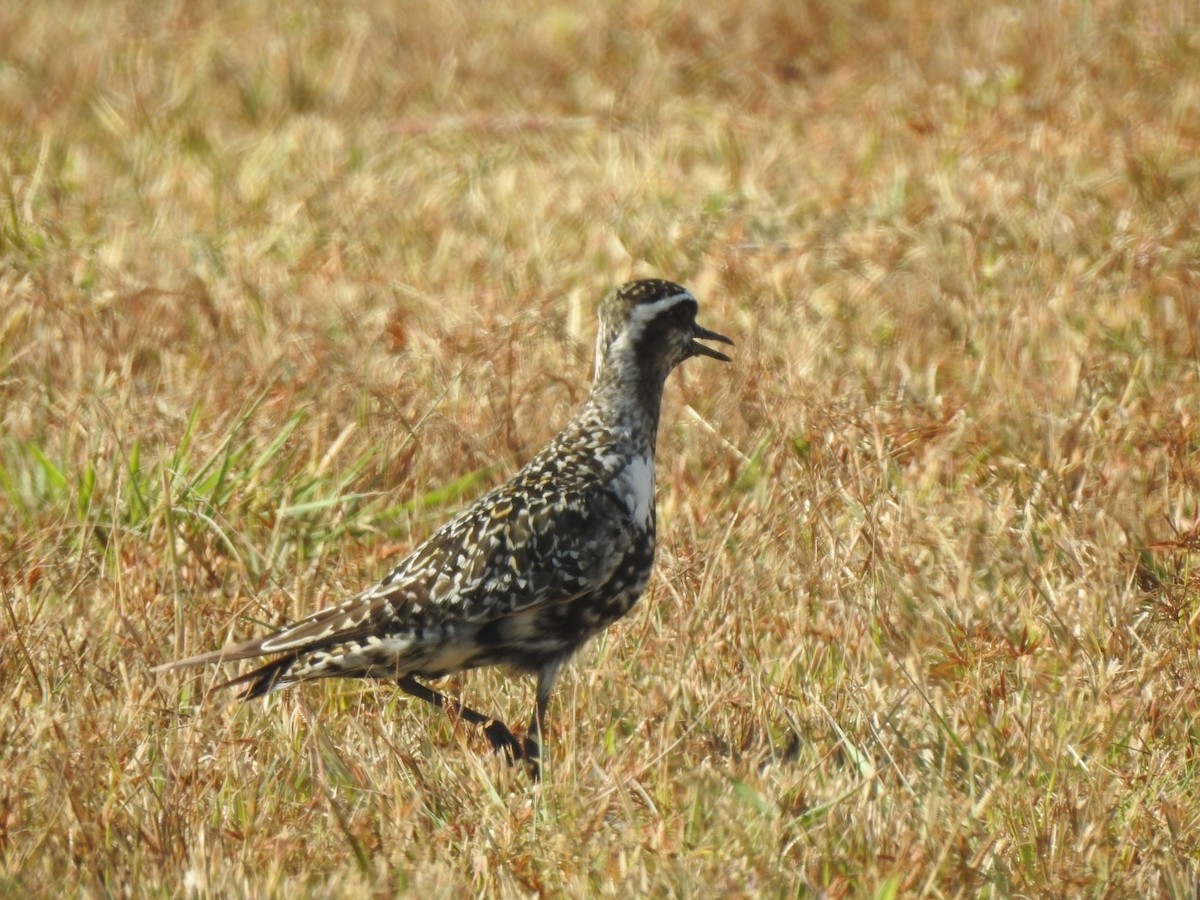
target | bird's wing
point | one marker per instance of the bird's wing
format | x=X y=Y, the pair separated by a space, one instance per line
x=505 y=554
x=514 y=557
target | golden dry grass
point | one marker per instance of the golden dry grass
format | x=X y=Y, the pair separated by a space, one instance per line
x=282 y=285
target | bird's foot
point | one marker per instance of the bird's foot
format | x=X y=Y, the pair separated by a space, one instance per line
x=532 y=753
x=514 y=750
x=503 y=740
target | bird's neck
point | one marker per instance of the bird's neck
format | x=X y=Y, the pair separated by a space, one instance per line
x=627 y=399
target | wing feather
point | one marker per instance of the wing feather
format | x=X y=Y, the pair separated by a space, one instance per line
x=504 y=555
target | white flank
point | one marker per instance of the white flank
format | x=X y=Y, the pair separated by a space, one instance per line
x=598 y=354
x=635 y=487
x=450 y=657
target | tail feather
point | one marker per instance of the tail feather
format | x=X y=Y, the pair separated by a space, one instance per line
x=260 y=681
x=327 y=630
x=267 y=677
x=264 y=679
x=231 y=653
x=346 y=621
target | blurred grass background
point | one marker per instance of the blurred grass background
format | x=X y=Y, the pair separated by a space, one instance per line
x=282 y=285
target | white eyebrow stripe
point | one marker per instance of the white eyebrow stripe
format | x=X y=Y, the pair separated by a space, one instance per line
x=644 y=312
x=627 y=336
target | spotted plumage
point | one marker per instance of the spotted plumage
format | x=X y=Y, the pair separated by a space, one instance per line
x=528 y=572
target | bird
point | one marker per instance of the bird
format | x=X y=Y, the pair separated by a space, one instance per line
x=532 y=569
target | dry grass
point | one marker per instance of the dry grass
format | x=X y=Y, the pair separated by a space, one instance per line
x=282 y=286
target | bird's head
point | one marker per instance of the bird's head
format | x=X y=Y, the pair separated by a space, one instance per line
x=651 y=325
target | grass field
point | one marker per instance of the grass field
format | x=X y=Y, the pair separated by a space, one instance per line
x=283 y=285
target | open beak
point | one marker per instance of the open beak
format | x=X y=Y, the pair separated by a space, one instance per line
x=702 y=350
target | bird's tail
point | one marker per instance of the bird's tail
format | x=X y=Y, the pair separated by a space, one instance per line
x=232 y=653
x=264 y=679
x=259 y=681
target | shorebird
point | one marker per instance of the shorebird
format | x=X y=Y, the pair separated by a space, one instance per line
x=532 y=569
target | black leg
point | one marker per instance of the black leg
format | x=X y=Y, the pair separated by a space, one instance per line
x=497 y=732
x=532 y=748
x=533 y=735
